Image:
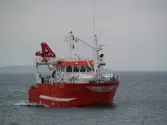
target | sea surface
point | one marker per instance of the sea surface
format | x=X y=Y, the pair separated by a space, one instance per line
x=141 y=99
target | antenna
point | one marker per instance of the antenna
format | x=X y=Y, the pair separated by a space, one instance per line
x=93 y=16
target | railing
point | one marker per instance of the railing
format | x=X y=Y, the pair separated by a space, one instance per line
x=106 y=77
x=52 y=60
x=46 y=80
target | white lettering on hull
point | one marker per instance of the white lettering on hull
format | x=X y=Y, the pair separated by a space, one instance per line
x=56 y=99
x=101 y=88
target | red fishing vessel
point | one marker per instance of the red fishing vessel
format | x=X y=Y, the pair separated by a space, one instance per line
x=73 y=81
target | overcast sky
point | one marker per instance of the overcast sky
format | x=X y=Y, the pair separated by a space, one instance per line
x=134 y=31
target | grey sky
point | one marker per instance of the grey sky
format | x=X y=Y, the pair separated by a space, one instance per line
x=134 y=31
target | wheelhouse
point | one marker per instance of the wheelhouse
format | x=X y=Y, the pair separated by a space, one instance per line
x=75 y=66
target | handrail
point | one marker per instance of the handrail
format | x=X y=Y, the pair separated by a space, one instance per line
x=90 y=66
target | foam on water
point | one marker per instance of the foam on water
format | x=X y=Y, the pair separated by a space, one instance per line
x=22 y=103
x=25 y=103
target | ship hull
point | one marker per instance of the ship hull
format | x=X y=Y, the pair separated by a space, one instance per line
x=68 y=94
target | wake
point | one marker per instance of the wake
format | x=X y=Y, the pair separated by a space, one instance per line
x=22 y=103
x=25 y=103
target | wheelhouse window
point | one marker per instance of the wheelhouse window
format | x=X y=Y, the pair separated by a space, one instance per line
x=62 y=68
x=68 y=69
x=88 y=69
x=58 y=68
x=75 y=69
x=82 y=69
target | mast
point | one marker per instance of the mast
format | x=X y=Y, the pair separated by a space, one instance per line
x=71 y=40
x=94 y=42
x=95 y=54
x=96 y=48
x=97 y=57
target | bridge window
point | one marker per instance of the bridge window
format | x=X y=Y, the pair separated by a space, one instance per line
x=88 y=69
x=76 y=69
x=62 y=68
x=58 y=68
x=69 y=69
x=82 y=69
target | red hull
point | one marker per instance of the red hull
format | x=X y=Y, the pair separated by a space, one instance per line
x=60 y=95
